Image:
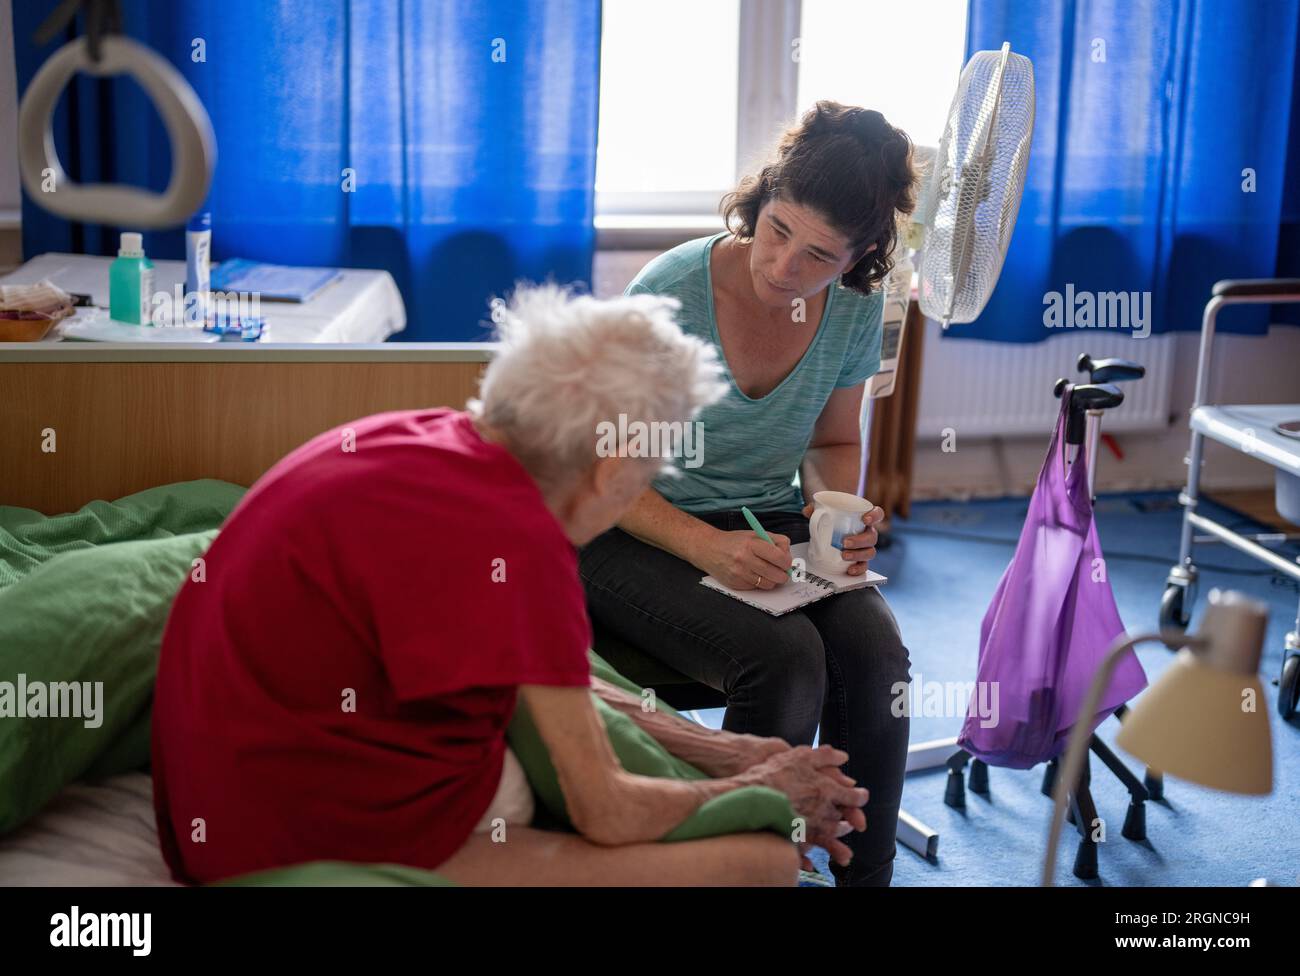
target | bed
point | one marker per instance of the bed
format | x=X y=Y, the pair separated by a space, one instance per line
x=126 y=417
x=129 y=417
x=172 y=437
x=100 y=834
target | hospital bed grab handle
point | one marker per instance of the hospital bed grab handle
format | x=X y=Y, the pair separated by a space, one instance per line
x=193 y=143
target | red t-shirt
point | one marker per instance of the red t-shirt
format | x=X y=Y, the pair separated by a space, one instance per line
x=339 y=685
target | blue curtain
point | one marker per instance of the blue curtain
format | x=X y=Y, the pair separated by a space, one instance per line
x=1149 y=114
x=451 y=143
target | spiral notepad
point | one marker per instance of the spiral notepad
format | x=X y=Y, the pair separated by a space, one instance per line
x=795 y=594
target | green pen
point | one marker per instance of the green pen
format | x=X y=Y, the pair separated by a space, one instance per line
x=761 y=532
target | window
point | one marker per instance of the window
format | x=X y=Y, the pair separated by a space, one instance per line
x=668 y=77
x=692 y=91
x=902 y=59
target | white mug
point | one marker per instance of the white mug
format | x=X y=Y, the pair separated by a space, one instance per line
x=836 y=514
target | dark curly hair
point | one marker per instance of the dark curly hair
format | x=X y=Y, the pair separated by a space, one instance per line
x=849 y=165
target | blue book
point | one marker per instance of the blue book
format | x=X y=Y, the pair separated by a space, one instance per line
x=273 y=282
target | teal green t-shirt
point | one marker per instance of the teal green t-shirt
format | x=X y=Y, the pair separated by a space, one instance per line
x=751 y=449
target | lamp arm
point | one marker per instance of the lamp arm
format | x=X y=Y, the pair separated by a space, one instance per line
x=1077 y=748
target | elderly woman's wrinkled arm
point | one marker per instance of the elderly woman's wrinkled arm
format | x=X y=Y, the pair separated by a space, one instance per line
x=715 y=752
x=606 y=804
x=610 y=806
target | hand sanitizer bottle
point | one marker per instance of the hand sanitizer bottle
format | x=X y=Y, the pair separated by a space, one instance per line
x=130 y=282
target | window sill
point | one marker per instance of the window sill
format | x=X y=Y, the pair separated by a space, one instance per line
x=652 y=232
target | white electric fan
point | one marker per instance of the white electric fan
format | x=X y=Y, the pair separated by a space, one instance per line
x=965 y=212
x=964 y=217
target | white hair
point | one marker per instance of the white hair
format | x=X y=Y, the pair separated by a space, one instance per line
x=567 y=365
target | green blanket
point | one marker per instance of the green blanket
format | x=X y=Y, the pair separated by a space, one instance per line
x=83 y=601
x=84 y=598
x=29 y=539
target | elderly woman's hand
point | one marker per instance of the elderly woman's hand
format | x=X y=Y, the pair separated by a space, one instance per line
x=737 y=752
x=827 y=800
x=743 y=561
x=859 y=549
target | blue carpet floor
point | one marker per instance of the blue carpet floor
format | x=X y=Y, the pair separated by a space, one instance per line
x=941 y=579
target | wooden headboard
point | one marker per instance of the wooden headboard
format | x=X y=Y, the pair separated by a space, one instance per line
x=126 y=418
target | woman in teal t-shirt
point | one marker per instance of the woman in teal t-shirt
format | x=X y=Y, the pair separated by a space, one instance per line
x=790 y=297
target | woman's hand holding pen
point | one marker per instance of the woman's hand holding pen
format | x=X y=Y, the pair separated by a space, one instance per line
x=743 y=561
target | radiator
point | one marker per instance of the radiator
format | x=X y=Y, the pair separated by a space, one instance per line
x=984 y=389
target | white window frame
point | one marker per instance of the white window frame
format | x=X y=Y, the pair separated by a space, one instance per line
x=767 y=98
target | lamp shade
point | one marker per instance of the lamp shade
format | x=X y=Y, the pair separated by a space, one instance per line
x=1205 y=720
x=1205 y=726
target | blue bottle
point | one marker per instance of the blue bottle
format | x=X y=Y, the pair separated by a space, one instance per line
x=198 y=269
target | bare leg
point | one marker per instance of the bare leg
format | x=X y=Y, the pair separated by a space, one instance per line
x=542 y=857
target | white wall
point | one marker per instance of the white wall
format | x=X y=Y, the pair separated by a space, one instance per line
x=10 y=198
x=1249 y=369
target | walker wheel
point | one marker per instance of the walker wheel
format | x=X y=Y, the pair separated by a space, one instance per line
x=1172 y=615
x=1288 y=691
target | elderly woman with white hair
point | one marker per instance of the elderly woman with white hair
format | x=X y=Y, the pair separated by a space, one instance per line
x=340 y=683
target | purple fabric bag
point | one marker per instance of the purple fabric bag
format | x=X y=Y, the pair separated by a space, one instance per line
x=1048 y=628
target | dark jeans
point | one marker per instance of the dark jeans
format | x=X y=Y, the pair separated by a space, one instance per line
x=836 y=662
